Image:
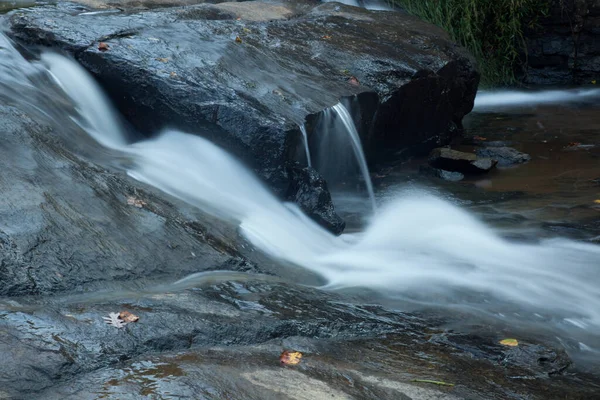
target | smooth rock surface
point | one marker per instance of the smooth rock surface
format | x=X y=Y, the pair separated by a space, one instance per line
x=504 y=155
x=442 y=174
x=459 y=161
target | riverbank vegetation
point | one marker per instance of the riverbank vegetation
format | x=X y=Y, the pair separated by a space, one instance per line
x=491 y=30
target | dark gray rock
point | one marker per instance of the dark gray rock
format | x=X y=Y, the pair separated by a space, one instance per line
x=442 y=174
x=565 y=47
x=65 y=224
x=459 y=161
x=504 y=155
x=305 y=187
x=184 y=68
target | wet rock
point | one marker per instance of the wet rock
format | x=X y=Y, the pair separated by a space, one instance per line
x=305 y=187
x=553 y=55
x=180 y=67
x=442 y=174
x=458 y=161
x=67 y=225
x=504 y=155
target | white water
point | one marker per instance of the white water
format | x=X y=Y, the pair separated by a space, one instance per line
x=348 y=122
x=417 y=247
x=306 y=146
x=486 y=100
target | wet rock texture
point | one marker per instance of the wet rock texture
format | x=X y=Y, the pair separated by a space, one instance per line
x=566 y=49
x=246 y=75
x=459 y=161
x=504 y=155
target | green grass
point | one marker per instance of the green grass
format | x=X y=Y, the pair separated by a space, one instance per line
x=492 y=30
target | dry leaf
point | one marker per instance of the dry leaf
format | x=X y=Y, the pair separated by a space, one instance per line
x=509 y=342
x=326 y=37
x=113 y=320
x=102 y=46
x=128 y=317
x=480 y=138
x=573 y=144
x=353 y=81
x=173 y=75
x=238 y=19
x=238 y=39
x=597 y=201
x=132 y=201
x=162 y=59
x=290 y=357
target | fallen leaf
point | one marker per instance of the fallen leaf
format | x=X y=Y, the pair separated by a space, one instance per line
x=132 y=201
x=290 y=357
x=481 y=138
x=509 y=342
x=597 y=201
x=441 y=383
x=246 y=30
x=103 y=46
x=173 y=75
x=113 y=320
x=594 y=82
x=238 y=19
x=353 y=81
x=573 y=144
x=128 y=317
x=326 y=37
x=238 y=39
x=162 y=59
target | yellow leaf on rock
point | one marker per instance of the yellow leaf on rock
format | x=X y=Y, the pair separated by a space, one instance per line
x=290 y=357
x=509 y=342
x=597 y=201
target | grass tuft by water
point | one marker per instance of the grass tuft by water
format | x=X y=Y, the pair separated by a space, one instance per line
x=491 y=30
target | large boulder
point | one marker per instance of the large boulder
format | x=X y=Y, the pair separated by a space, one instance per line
x=247 y=75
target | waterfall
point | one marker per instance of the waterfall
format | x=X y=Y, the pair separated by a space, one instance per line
x=340 y=156
x=348 y=122
x=418 y=247
x=306 y=147
x=486 y=100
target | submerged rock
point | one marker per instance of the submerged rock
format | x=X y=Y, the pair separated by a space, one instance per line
x=459 y=161
x=246 y=75
x=504 y=155
x=442 y=174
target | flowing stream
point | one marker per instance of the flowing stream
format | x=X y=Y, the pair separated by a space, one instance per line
x=418 y=247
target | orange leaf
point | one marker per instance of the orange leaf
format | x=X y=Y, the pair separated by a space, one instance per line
x=128 y=317
x=326 y=37
x=102 y=46
x=290 y=357
x=353 y=81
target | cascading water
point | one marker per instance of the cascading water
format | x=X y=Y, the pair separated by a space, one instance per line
x=486 y=100
x=348 y=122
x=306 y=147
x=340 y=153
x=417 y=247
